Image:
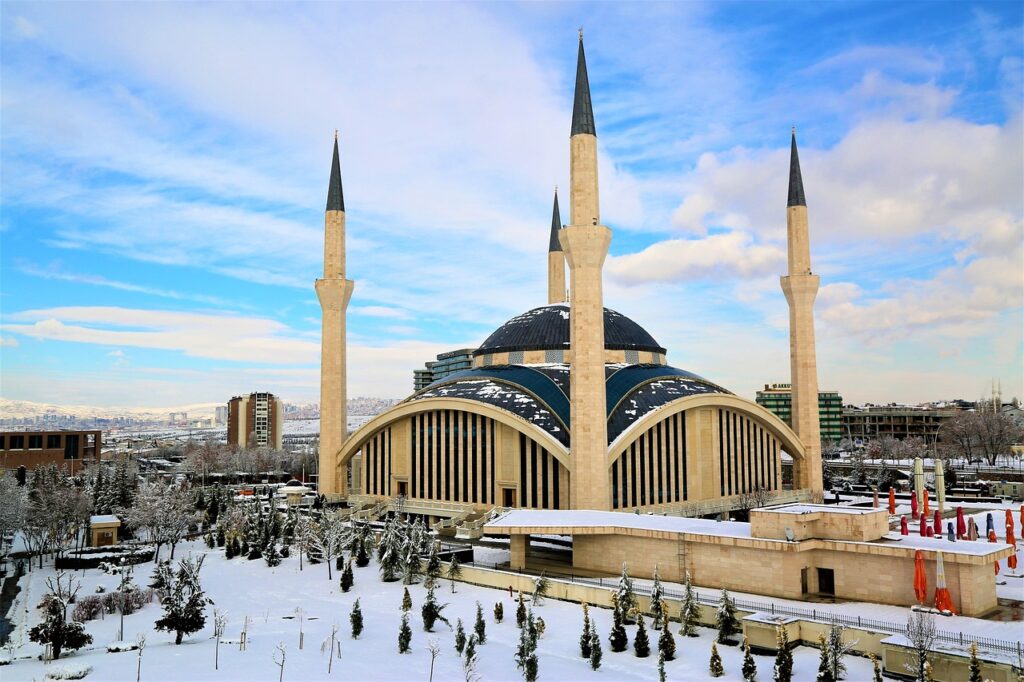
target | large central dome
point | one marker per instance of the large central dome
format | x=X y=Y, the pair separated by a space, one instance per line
x=547 y=328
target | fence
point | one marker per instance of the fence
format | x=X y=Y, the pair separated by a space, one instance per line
x=1015 y=648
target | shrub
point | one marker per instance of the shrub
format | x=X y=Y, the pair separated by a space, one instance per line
x=68 y=672
x=87 y=608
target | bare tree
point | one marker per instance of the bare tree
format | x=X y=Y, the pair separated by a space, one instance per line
x=326 y=539
x=328 y=645
x=140 y=641
x=164 y=513
x=921 y=633
x=13 y=509
x=279 y=656
x=980 y=435
x=220 y=622
x=435 y=650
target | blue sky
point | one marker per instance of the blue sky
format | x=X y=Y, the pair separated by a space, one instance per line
x=164 y=172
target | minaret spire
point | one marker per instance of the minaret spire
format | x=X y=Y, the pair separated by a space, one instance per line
x=582 y=110
x=334 y=292
x=801 y=288
x=556 y=259
x=796 y=181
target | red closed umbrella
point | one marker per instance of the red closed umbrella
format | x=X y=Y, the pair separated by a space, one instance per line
x=924 y=509
x=904 y=526
x=1009 y=520
x=961 y=525
x=972 y=529
x=938 y=522
x=1011 y=561
x=992 y=538
x=892 y=505
x=920 y=580
x=924 y=526
x=913 y=505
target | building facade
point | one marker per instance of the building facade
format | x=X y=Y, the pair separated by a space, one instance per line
x=778 y=399
x=69 y=449
x=897 y=421
x=445 y=365
x=256 y=420
x=572 y=405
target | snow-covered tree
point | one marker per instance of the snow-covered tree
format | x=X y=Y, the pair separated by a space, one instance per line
x=404 y=635
x=325 y=539
x=460 y=636
x=921 y=633
x=837 y=651
x=725 y=618
x=657 y=600
x=783 y=656
x=453 y=572
x=185 y=601
x=666 y=642
x=973 y=668
x=824 y=671
x=499 y=612
x=406 y=600
x=749 y=667
x=391 y=551
x=13 y=509
x=625 y=596
x=526 y=652
x=876 y=671
x=55 y=631
x=595 y=648
x=541 y=587
x=585 y=648
x=715 y=668
x=520 y=612
x=163 y=513
x=641 y=643
x=479 y=626
x=356 y=619
x=431 y=611
x=359 y=543
x=347 y=578
x=413 y=568
x=617 y=639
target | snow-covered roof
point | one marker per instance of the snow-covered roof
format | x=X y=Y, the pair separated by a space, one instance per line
x=827 y=508
x=103 y=518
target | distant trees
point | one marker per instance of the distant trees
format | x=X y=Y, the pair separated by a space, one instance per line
x=163 y=512
x=982 y=435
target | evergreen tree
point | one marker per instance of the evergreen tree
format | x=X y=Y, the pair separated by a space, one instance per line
x=431 y=611
x=641 y=643
x=657 y=600
x=406 y=600
x=413 y=569
x=460 y=636
x=541 y=587
x=499 y=612
x=433 y=563
x=184 y=601
x=221 y=538
x=521 y=612
x=617 y=640
x=837 y=651
x=271 y=555
x=749 y=667
x=625 y=596
x=666 y=642
x=526 y=652
x=783 y=656
x=347 y=579
x=57 y=632
x=661 y=666
x=689 y=610
x=229 y=550
x=454 y=571
x=585 y=648
x=715 y=668
x=974 y=674
x=480 y=627
x=404 y=635
x=356 y=619
x=824 y=671
x=876 y=671
x=470 y=653
x=200 y=501
x=595 y=648
x=725 y=618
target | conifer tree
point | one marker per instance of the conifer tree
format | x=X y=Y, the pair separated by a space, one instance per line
x=585 y=648
x=221 y=537
x=404 y=635
x=499 y=612
x=715 y=666
x=184 y=600
x=824 y=671
x=406 y=600
x=55 y=630
x=541 y=587
x=347 y=578
x=470 y=652
x=526 y=652
x=749 y=667
x=356 y=619
x=210 y=542
x=617 y=640
x=413 y=569
x=641 y=643
x=725 y=618
x=876 y=671
x=454 y=571
x=783 y=656
x=657 y=600
x=433 y=563
x=625 y=596
x=666 y=642
x=595 y=648
x=521 y=612
x=661 y=666
x=460 y=636
x=689 y=610
x=480 y=627
x=974 y=668
x=271 y=555
x=837 y=650
x=229 y=550
x=431 y=611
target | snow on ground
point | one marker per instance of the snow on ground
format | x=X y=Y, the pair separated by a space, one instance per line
x=270 y=597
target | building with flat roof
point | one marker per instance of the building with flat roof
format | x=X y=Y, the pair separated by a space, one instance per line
x=445 y=365
x=256 y=420
x=778 y=399
x=897 y=421
x=69 y=449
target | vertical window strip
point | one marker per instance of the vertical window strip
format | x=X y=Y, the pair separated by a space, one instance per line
x=615 y=485
x=662 y=479
x=523 y=501
x=412 y=456
x=632 y=475
x=534 y=498
x=721 y=457
x=544 y=478
x=682 y=448
x=490 y=454
x=557 y=468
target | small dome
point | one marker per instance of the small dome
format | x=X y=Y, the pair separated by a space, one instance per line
x=547 y=328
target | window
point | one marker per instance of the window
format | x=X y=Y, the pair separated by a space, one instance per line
x=516 y=357
x=2 y=443
x=17 y=442
x=35 y=442
x=632 y=357
x=52 y=440
x=71 y=446
x=826 y=581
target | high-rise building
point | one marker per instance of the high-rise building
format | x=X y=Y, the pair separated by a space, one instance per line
x=778 y=399
x=446 y=364
x=256 y=420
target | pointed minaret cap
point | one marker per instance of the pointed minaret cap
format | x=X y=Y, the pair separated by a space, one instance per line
x=556 y=225
x=582 y=110
x=796 y=182
x=335 y=197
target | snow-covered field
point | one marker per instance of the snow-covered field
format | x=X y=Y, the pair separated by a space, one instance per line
x=270 y=597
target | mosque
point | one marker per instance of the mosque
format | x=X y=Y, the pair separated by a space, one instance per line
x=572 y=405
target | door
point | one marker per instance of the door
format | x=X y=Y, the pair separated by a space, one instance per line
x=508 y=498
x=403 y=488
x=826 y=581
x=803 y=581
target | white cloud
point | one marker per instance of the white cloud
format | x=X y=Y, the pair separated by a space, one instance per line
x=8 y=342
x=719 y=256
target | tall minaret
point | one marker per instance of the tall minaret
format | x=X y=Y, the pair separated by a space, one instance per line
x=556 y=259
x=585 y=243
x=801 y=287
x=334 y=292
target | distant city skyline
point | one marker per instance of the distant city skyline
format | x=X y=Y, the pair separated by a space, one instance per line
x=165 y=174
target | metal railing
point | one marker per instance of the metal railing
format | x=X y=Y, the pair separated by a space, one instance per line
x=958 y=638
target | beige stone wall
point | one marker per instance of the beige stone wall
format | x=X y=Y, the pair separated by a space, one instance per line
x=556 y=277
x=584 y=203
x=766 y=523
x=537 y=357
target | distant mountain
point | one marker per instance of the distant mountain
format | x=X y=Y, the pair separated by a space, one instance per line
x=21 y=409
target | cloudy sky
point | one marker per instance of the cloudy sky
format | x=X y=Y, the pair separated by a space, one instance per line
x=164 y=172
